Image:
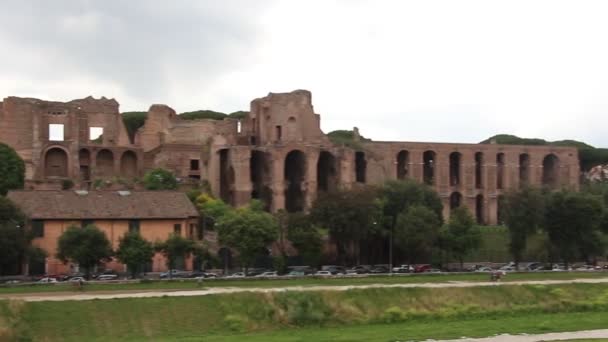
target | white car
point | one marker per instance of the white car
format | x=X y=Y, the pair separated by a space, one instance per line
x=236 y=275
x=323 y=273
x=267 y=274
x=107 y=277
x=47 y=280
x=77 y=280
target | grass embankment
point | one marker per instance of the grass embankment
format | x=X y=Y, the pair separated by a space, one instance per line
x=364 y=314
x=190 y=284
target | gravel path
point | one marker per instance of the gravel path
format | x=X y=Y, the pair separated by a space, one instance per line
x=212 y=291
x=584 y=334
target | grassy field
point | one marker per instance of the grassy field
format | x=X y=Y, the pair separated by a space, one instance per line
x=355 y=315
x=397 y=279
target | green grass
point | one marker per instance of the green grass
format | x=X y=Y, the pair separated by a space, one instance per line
x=397 y=279
x=364 y=314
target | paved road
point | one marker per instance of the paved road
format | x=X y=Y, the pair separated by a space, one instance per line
x=211 y=291
x=585 y=334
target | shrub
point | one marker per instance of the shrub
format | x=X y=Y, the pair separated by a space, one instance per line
x=236 y=323
x=393 y=314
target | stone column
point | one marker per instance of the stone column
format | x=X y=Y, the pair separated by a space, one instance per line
x=310 y=181
x=416 y=164
x=240 y=158
x=278 y=181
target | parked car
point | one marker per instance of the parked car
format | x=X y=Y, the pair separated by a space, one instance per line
x=236 y=275
x=421 y=268
x=47 y=280
x=104 y=277
x=175 y=274
x=432 y=270
x=379 y=269
x=403 y=269
x=269 y=274
x=77 y=280
x=533 y=266
x=334 y=270
x=296 y=274
x=323 y=273
x=587 y=268
x=361 y=269
x=484 y=269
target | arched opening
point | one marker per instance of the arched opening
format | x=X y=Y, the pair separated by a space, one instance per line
x=455 y=200
x=524 y=169
x=326 y=172
x=479 y=209
x=84 y=159
x=56 y=163
x=428 y=159
x=259 y=166
x=128 y=164
x=551 y=170
x=403 y=159
x=291 y=128
x=226 y=177
x=105 y=163
x=478 y=170
x=360 y=167
x=295 y=172
x=500 y=170
x=455 y=168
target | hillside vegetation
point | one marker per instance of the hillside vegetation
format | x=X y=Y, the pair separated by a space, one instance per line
x=589 y=156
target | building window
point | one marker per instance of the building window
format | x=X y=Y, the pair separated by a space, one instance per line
x=194 y=165
x=177 y=229
x=96 y=134
x=134 y=226
x=279 y=133
x=85 y=223
x=38 y=228
x=56 y=132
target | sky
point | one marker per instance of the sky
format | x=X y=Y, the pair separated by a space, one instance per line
x=445 y=71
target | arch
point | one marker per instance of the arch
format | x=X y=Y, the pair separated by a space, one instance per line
x=292 y=128
x=403 y=159
x=295 y=173
x=84 y=159
x=326 y=172
x=429 y=160
x=478 y=170
x=524 y=169
x=56 y=163
x=551 y=170
x=360 y=167
x=455 y=158
x=226 y=177
x=500 y=170
x=479 y=209
x=128 y=164
x=105 y=163
x=259 y=171
x=455 y=200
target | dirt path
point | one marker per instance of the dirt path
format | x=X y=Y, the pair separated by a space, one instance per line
x=212 y=291
x=584 y=334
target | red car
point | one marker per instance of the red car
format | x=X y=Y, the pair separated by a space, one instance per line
x=421 y=268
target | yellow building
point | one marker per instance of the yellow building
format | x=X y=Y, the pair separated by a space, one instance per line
x=154 y=214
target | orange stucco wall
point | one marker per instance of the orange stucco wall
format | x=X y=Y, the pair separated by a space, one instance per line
x=151 y=230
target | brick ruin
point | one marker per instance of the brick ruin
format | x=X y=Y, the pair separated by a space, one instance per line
x=277 y=154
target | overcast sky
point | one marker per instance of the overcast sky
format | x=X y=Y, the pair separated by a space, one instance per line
x=454 y=71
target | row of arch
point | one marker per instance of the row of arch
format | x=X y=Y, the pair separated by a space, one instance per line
x=56 y=163
x=456 y=201
x=550 y=166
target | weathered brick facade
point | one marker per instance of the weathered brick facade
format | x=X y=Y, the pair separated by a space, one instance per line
x=278 y=154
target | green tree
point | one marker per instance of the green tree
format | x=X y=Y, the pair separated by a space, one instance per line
x=134 y=251
x=460 y=236
x=175 y=247
x=13 y=245
x=12 y=169
x=247 y=231
x=160 y=179
x=86 y=247
x=211 y=209
x=305 y=237
x=522 y=211
x=350 y=215
x=572 y=221
x=133 y=121
x=417 y=230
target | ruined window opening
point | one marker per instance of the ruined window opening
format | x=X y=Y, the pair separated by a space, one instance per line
x=238 y=126
x=56 y=163
x=429 y=167
x=500 y=170
x=84 y=157
x=478 y=170
x=279 y=133
x=253 y=126
x=402 y=164
x=479 y=209
x=134 y=226
x=226 y=177
x=96 y=134
x=194 y=165
x=550 y=171
x=56 y=132
x=326 y=172
x=259 y=172
x=524 y=169
x=295 y=173
x=105 y=163
x=360 y=167
x=455 y=200
x=195 y=177
x=177 y=229
x=455 y=168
